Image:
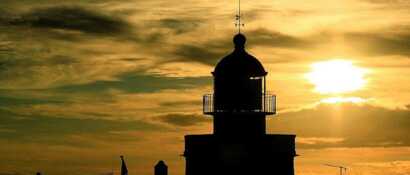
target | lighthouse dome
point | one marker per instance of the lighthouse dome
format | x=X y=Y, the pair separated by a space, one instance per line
x=239 y=62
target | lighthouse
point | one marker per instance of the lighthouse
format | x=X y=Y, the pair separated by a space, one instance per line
x=239 y=106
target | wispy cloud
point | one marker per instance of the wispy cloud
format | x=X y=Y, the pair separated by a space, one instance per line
x=345 y=125
x=69 y=18
x=183 y=120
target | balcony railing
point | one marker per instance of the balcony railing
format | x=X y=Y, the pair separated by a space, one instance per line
x=267 y=106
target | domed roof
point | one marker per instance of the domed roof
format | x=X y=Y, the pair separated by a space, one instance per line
x=239 y=62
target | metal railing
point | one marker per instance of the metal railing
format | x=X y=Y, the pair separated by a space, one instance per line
x=267 y=106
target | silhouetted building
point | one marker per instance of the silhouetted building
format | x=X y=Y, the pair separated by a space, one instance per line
x=160 y=168
x=239 y=105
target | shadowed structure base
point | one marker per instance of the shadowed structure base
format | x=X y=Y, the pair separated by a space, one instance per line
x=266 y=155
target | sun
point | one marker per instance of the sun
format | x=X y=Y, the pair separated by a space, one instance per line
x=336 y=77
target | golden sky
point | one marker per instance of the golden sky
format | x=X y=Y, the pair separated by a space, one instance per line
x=84 y=81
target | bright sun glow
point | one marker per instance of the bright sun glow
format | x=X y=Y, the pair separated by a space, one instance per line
x=336 y=76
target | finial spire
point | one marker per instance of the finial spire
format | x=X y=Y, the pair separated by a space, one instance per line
x=239 y=40
x=238 y=16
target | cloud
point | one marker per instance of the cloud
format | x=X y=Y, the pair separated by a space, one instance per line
x=265 y=37
x=27 y=70
x=26 y=62
x=53 y=130
x=138 y=82
x=179 y=26
x=205 y=55
x=70 y=18
x=388 y=1
x=71 y=39
x=15 y=101
x=318 y=140
x=397 y=167
x=181 y=103
x=211 y=51
x=46 y=46
x=380 y=44
x=353 y=126
x=6 y=173
x=183 y=120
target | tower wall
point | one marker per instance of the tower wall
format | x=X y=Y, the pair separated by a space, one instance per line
x=212 y=155
x=240 y=125
x=238 y=93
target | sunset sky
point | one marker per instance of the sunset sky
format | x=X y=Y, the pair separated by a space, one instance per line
x=84 y=81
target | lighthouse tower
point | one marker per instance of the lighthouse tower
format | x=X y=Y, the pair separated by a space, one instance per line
x=239 y=105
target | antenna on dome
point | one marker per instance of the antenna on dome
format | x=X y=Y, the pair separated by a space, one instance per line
x=238 y=16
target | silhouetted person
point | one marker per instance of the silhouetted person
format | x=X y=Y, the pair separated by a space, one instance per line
x=38 y=173
x=160 y=168
x=124 y=170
